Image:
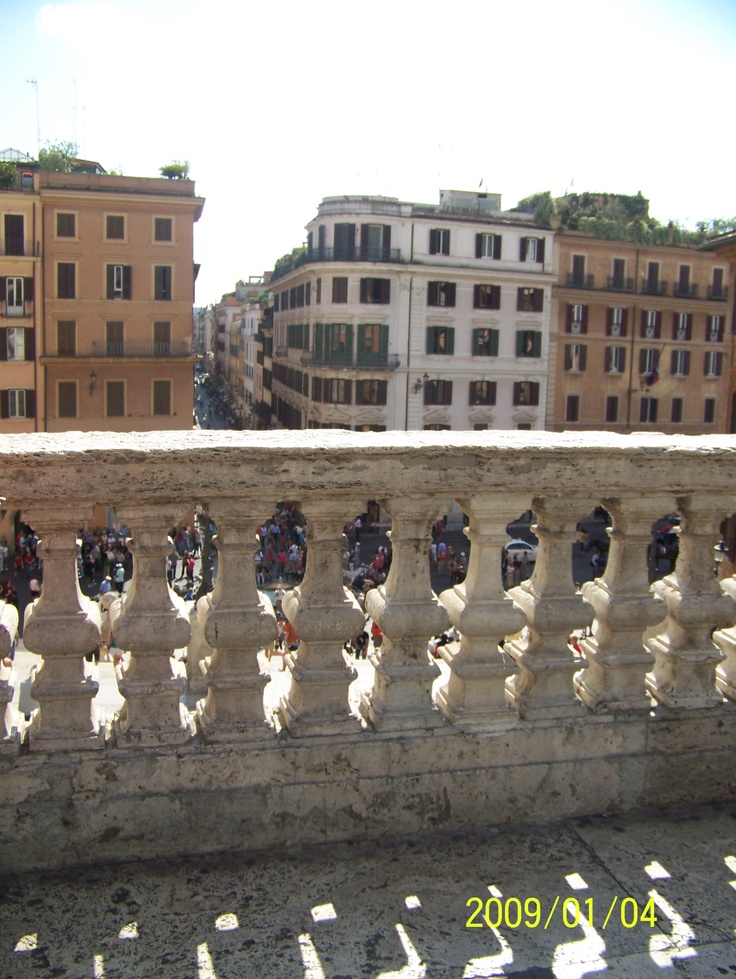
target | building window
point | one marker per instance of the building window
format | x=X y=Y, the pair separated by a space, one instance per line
x=115 y=227
x=15 y=343
x=344 y=241
x=618 y=279
x=375 y=242
x=370 y=392
x=114 y=338
x=119 y=281
x=651 y=322
x=67 y=399
x=529 y=300
x=612 y=408
x=162 y=397
x=488 y=246
x=486 y=297
x=713 y=363
x=318 y=287
x=681 y=326
x=440 y=293
x=577 y=318
x=162 y=285
x=15 y=243
x=683 y=281
x=440 y=340
x=717 y=289
x=680 y=363
x=709 y=413
x=66 y=338
x=485 y=343
x=66 y=225
x=115 y=399
x=572 y=408
x=676 y=411
x=336 y=391
x=714 y=329
x=528 y=343
x=438 y=393
x=439 y=241
x=66 y=280
x=649 y=364
x=375 y=291
x=526 y=393
x=616 y=321
x=339 y=289
x=14 y=294
x=482 y=393
x=17 y=403
x=531 y=250
x=163 y=229
x=615 y=362
x=162 y=339
x=575 y=356
x=648 y=410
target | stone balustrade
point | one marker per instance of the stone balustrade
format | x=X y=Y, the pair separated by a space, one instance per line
x=645 y=716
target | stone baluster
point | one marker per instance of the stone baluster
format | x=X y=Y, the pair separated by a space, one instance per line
x=150 y=623
x=473 y=693
x=63 y=626
x=685 y=656
x=325 y=614
x=8 y=720
x=544 y=685
x=725 y=640
x=409 y=614
x=237 y=621
x=624 y=607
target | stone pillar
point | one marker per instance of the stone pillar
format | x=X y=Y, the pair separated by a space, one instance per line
x=624 y=607
x=544 y=685
x=150 y=623
x=63 y=626
x=480 y=610
x=685 y=656
x=325 y=614
x=8 y=632
x=409 y=614
x=237 y=621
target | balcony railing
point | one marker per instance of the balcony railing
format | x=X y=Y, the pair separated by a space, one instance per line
x=18 y=246
x=351 y=361
x=686 y=290
x=134 y=348
x=718 y=292
x=650 y=287
x=577 y=281
x=357 y=254
x=19 y=311
x=620 y=284
x=640 y=713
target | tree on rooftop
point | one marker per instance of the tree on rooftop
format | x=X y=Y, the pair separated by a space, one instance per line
x=7 y=175
x=176 y=170
x=58 y=157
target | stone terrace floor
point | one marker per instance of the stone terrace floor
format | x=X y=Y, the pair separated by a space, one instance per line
x=400 y=909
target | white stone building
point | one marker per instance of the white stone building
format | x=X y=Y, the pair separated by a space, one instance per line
x=415 y=316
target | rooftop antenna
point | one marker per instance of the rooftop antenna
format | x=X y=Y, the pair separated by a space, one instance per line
x=33 y=81
x=74 y=80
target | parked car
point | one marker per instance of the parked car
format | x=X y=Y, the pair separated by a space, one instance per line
x=522 y=547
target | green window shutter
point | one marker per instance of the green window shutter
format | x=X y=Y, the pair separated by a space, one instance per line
x=383 y=338
x=430 y=340
x=361 y=338
x=450 y=341
x=519 y=344
x=494 y=343
x=319 y=337
x=537 y=347
x=349 y=342
x=479 y=246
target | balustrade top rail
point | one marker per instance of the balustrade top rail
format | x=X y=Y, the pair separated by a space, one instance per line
x=197 y=465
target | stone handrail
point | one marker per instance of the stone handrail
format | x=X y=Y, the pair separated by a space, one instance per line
x=654 y=652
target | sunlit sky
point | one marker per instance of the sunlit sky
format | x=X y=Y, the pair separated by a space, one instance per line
x=277 y=105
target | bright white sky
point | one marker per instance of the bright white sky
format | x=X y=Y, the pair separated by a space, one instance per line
x=279 y=104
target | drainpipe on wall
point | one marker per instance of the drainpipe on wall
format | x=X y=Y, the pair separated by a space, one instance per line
x=633 y=335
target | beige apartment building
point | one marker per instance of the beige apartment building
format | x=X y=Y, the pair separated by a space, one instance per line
x=640 y=338
x=108 y=284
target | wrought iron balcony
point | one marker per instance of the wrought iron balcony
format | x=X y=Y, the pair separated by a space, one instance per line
x=357 y=254
x=351 y=361
x=134 y=348
x=618 y=283
x=718 y=292
x=686 y=290
x=19 y=246
x=22 y=310
x=650 y=287
x=577 y=281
